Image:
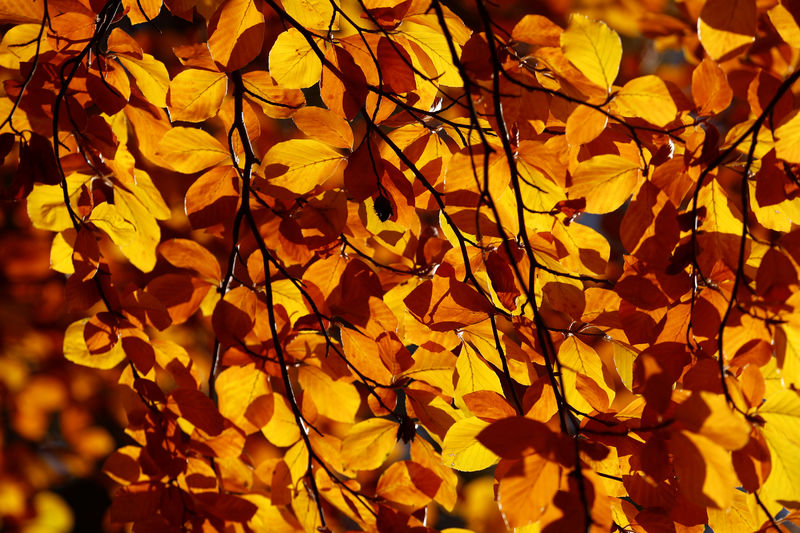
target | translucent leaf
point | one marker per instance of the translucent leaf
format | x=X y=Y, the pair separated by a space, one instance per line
x=594 y=48
x=726 y=27
x=648 y=98
x=705 y=471
x=46 y=207
x=781 y=411
x=605 y=181
x=527 y=489
x=338 y=400
x=151 y=77
x=474 y=374
x=324 y=126
x=787 y=139
x=368 y=444
x=281 y=430
x=292 y=61
x=313 y=14
x=76 y=350
x=238 y=35
x=195 y=95
x=299 y=165
x=190 y=150
x=461 y=449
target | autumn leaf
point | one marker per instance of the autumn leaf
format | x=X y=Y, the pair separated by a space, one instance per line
x=292 y=61
x=594 y=48
x=612 y=175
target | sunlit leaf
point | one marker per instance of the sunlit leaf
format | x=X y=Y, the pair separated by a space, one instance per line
x=594 y=48
x=292 y=61
x=605 y=181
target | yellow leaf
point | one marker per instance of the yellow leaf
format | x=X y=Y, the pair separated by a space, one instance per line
x=19 y=45
x=46 y=207
x=719 y=216
x=432 y=41
x=296 y=459
x=136 y=236
x=368 y=444
x=461 y=449
x=238 y=34
x=710 y=415
x=736 y=518
x=75 y=349
x=705 y=470
x=149 y=196
x=195 y=95
x=785 y=23
x=313 y=14
x=269 y=517
x=151 y=77
x=594 y=48
x=190 y=150
x=275 y=101
x=781 y=411
x=577 y=357
x=726 y=27
x=106 y=217
x=61 y=251
x=301 y=164
x=584 y=125
x=324 y=126
x=337 y=400
x=237 y=387
x=292 y=61
x=281 y=430
x=787 y=139
x=434 y=368
x=474 y=374
x=140 y=249
x=648 y=98
x=605 y=181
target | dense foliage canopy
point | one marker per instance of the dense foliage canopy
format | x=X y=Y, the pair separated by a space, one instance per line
x=285 y=265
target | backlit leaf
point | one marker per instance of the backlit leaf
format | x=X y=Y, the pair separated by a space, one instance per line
x=190 y=150
x=300 y=165
x=238 y=35
x=368 y=444
x=726 y=27
x=647 y=98
x=605 y=181
x=594 y=48
x=195 y=95
x=292 y=61
x=461 y=449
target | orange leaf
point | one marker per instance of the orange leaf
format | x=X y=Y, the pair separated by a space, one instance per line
x=727 y=27
x=184 y=253
x=189 y=150
x=195 y=95
x=445 y=304
x=527 y=488
x=236 y=34
x=705 y=471
x=324 y=126
x=710 y=88
x=605 y=181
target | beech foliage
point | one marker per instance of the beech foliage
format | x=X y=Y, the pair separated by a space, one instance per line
x=384 y=265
